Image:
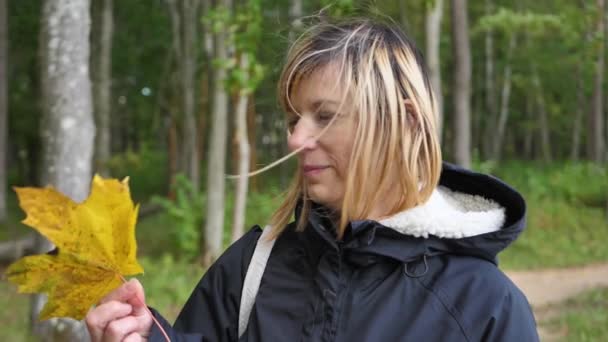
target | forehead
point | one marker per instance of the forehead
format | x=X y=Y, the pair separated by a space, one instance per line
x=322 y=86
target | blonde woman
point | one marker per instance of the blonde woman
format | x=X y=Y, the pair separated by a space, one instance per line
x=387 y=244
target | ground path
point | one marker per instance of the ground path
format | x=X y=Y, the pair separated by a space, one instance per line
x=547 y=287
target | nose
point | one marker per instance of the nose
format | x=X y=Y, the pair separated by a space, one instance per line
x=302 y=135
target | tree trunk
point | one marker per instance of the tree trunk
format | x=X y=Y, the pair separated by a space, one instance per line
x=3 y=107
x=102 y=86
x=578 y=114
x=11 y=251
x=504 y=102
x=242 y=138
x=543 y=121
x=190 y=16
x=597 y=103
x=68 y=128
x=490 y=88
x=462 y=83
x=295 y=16
x=206 y=81
x=184 y=19
x=216 y=184
x=433 y=37
x=251 y=131
x=529 y=136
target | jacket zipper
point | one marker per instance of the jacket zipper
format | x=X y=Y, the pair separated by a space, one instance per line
x=340 y=295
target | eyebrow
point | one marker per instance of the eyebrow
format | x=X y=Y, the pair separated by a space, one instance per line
x=319 y=103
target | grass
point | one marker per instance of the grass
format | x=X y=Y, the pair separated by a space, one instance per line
x=559 y=234
x=583 y=318
x=567 y=222
x=14 y=314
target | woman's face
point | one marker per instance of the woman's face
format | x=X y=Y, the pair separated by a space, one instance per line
x=324 y=161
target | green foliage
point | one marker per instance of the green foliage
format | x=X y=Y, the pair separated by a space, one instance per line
x=507 y=20
x=147 y=171
x=187 y=214
x=168 y=282
x=244 y=32
x=581 y=183
x=339 y=8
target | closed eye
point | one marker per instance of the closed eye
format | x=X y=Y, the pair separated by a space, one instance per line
x=292 y=121
x=324 y=118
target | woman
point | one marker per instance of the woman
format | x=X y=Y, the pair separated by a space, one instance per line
x=388 y=244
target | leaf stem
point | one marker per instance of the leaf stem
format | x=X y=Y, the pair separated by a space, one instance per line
x=149 y=312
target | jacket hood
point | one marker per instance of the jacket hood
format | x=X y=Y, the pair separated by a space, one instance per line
x=468 y=214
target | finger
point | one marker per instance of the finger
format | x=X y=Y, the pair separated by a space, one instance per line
x=122 y=293
x=138 y=300
x=98 y=318
x=140 y=310
x=118 y=329
x=133 y=337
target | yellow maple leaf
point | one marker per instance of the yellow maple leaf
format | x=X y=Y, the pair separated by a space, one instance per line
x=95 y=246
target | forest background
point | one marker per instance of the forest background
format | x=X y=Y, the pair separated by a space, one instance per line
x=176 y=94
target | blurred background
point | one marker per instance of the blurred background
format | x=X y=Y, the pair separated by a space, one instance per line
x=175 y=94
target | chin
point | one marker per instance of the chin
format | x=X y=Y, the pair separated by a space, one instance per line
x=325 y=201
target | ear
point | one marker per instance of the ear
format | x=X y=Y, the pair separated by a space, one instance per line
x=411 y=113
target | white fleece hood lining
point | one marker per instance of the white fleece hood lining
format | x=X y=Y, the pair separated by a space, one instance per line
x=449 y=214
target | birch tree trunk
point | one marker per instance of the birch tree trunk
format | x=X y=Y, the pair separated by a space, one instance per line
x=433 y=37
x=3 y=106
x=462 y=83
x=244 y=154
x=504 y=101
x=67 y=127
x=597 y=103
x=216 y=183
x=102 y=86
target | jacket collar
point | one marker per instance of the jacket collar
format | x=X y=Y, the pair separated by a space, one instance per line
x=468 y=214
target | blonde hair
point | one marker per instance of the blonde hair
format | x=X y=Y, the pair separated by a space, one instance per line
x=397 y=146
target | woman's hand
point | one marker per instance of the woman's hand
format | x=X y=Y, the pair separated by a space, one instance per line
x=121 y=316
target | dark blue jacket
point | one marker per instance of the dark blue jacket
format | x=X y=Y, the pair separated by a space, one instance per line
x=377 y=284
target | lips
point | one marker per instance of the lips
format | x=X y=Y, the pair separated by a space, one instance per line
x=310 y=170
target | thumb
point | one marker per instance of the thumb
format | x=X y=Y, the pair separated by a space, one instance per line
x=123 y=293
x=138 y=298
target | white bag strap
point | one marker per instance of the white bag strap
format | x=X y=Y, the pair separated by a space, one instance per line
x=253 y=277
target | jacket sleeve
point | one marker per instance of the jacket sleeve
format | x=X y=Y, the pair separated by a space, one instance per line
x=211 y=313
x=512 y=319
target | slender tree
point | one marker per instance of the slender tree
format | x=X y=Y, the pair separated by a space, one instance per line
x=103 y=22
x=244 y=152
x=462 y=83
x=216 y=184
x=490 y=85
x=433 y=38
x=543 y=121
x=598 y=141
x=3 y=106
x=68 y=127
x=184 y=20
x=504 y=101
